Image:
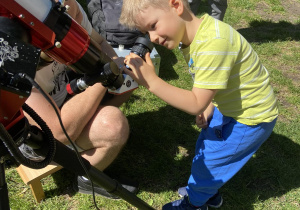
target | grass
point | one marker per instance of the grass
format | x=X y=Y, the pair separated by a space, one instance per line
x=161 y=145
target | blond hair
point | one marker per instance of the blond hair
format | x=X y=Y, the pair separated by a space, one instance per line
x=131 y=9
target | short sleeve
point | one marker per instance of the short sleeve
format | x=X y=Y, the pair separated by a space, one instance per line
x=211 y=63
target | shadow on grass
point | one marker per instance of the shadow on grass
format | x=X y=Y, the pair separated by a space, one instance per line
x=160 y=151
x=271 y=173
x=64 y=180
x=167 y=60
x=267 y=31
x=150 y=154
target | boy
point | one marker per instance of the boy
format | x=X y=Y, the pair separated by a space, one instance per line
x=231 y=97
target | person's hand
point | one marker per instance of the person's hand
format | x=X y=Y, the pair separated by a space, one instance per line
x=201 y=121
x=120 y=62
x=143 y=72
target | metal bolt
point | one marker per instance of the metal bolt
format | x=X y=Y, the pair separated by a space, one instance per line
x=121 y=47
x=58 y=44
x=67 y=8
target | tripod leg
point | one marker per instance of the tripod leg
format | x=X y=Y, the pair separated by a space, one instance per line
x=4 y=202
x=67 y=158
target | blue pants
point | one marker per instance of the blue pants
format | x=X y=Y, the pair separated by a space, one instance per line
x=222 y=150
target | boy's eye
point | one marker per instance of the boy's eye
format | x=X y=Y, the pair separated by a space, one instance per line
x=153 y=26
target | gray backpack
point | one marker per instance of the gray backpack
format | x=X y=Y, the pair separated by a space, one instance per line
x=104 y=15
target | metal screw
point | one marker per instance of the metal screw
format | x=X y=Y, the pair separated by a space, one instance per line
x=67 y=8
x=58 y=44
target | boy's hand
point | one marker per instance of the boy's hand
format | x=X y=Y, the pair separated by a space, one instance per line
x=201 y=121
x=142 y=72
x=120 y=62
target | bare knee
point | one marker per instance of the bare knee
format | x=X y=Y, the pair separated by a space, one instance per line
x=115 y=125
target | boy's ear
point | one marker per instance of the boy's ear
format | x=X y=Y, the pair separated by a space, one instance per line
x=178 y=5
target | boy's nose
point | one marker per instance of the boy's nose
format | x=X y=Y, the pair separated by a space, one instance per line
x=154 y=38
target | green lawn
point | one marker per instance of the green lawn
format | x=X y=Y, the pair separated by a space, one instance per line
x=162 y=140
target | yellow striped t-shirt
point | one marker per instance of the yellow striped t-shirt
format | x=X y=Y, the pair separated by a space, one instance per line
x=220 y=58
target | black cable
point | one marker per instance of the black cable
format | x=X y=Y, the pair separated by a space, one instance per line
x=25 y=76
x=11 y=146
x=44 y=127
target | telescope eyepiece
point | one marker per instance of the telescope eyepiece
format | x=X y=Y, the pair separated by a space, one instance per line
x=142 y=46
